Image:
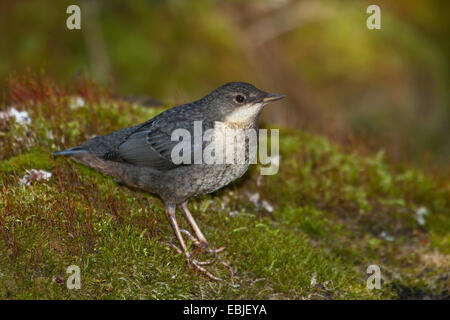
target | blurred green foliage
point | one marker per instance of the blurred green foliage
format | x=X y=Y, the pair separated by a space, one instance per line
x=387 y=88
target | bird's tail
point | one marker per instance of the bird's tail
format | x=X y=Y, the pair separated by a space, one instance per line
x=126 y=173
x=70 y=152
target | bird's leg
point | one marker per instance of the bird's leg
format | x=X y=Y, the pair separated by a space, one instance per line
x=170 y=211
x=201 y=239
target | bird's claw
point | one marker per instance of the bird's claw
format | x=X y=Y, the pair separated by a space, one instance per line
x=194 y=240
x=199 y=265
x=174 y=247
x=202 y=245
x=216 y=250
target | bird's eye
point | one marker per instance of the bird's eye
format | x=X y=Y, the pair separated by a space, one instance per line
x=239 y=98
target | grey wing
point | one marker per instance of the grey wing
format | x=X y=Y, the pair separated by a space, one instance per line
x=148 y=148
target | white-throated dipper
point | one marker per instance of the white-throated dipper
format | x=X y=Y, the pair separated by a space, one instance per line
x=142 y=156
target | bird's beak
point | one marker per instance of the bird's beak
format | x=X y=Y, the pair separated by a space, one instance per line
x=272 y=97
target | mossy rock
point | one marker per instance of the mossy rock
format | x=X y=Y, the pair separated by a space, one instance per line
x=316 y=227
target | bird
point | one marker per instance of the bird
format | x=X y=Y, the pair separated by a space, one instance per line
x=142 y=156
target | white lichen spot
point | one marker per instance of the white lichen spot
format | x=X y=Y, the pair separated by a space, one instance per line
x=259 y=181
x=313 y=281
x=267 y=206
x=233 y=213
x=80 y=102
x=34 y=175
x=225 y=202
x=76 y=103
x=20 y=117
x=254 y=198
x=49 y=135
x=421 y=213
x=386 y=236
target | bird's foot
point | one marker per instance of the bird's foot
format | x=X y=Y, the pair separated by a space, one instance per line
x=202 y=245
x=200 y=265
x=197 y=265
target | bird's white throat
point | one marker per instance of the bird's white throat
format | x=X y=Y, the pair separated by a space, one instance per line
x=245 y=113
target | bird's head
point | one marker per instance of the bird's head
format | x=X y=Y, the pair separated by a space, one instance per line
x=238 y=102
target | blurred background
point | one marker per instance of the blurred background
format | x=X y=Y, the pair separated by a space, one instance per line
x=368 y=89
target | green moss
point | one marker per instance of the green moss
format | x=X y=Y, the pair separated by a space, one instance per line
x=37 y=159
x=335 y=213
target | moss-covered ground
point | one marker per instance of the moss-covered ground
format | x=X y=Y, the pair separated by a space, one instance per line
x=335 y=212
